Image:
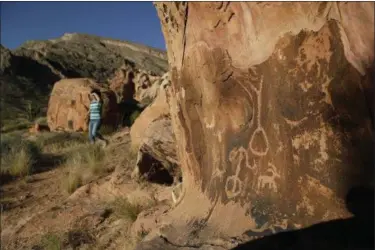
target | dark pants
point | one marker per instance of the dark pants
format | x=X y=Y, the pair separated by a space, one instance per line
x=94 y=127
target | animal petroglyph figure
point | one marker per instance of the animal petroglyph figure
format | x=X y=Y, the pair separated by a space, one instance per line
x=269 y=178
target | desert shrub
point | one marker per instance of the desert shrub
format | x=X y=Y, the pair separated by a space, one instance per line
x=32 y=110
x=18 y=155
x=51 y=242
x=41 y=121
x=15 y=125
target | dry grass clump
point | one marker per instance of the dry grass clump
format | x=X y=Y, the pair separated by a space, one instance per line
x=123 y=208
x=18 y=155
x=59 y=142
x=84 y=161
x=15 y=125
x=129 y=210
x=72 y=181
x=51 y=241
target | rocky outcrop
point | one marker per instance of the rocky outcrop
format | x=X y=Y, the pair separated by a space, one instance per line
x=6 y=60
x=159 y=108
x=152 y=135
x=270 y=107
x=157 y=160
x=148 y=89
x=123 y=83
x=69 y=104
x=79 y=55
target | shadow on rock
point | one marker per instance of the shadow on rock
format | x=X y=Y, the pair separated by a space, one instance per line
x=130 y=110
x=353 y=233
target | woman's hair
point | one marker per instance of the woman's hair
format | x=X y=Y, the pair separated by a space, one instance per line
x=95 y=91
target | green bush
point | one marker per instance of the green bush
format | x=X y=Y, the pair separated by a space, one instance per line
x=134 y=116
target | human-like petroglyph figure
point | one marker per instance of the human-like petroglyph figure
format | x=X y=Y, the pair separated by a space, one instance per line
x=258 y=144
x=242 y=154
x=233 y=185
x=237 y=156
x=269 y=178
x=218 y=150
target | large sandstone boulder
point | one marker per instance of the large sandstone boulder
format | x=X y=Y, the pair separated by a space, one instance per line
x=152 y=135
x=69 y=103
x=157 y=159
x=271 y=111
x=158 y=108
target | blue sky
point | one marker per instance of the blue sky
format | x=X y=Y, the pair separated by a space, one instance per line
x=132 y=21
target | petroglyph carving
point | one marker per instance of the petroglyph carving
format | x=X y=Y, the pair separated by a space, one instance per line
x=211 y=124
x=283 y=225
x=269 y=178
x=237 y=156
x=258 y=144
x=233 y=185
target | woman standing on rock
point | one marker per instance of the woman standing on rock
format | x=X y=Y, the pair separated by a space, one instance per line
x=95 y=118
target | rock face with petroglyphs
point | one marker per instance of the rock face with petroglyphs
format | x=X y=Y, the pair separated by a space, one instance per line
x=271 y=108
x=69 y=104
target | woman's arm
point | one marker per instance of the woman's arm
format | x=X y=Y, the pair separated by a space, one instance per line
x=96 y=97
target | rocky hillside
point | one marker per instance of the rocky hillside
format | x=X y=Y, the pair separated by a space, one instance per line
x=29 y=72
x=79 y=55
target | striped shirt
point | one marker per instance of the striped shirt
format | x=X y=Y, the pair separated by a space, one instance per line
x=95 y=110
